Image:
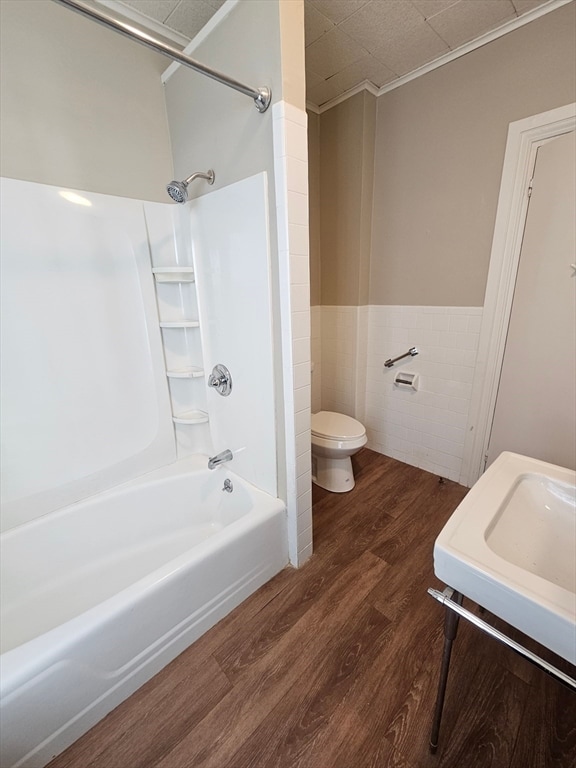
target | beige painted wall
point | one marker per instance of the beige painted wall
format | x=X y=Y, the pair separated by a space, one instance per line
x=346 y=174
x=366 y=196
x=440 y=144
x=212 y=126
x=292 y=52
x=81 y=106
x=314 y=205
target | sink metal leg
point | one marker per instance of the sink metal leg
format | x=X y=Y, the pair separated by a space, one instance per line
x=450 y=629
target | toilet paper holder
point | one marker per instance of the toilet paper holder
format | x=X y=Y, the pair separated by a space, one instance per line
x=405 y=380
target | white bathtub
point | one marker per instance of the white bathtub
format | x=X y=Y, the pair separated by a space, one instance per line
x=99 y=596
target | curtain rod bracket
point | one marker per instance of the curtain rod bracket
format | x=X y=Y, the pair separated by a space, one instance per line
x=262 y=101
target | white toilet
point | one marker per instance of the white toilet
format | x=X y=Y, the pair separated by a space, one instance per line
x=335 y=437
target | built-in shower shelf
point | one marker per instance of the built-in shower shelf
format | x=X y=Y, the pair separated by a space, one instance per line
x=191 y=372
x=173 y=274
x=191 y=417
x=180 y=324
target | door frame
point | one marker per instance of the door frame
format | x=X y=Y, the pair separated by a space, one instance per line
x=524 y=138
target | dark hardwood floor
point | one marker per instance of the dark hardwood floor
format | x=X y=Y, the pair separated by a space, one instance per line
x=336 y=665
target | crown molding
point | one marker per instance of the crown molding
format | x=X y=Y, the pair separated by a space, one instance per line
x=494 y=34
x=145 y=21
x=365 y=85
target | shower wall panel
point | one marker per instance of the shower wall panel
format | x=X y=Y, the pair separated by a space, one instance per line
x=231 y=251
x=84 y=395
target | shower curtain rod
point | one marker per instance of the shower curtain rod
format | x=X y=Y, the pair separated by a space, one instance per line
x=262 y=96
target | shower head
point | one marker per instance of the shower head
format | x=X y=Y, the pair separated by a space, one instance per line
x=178 y=190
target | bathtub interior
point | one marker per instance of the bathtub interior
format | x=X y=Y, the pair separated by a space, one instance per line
x=64 y=563
x=60 y=681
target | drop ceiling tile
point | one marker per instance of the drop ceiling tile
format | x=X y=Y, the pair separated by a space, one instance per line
x=377 y=23
x=430 y=8
x=368 y=68
x=337 y=10
x=315 y=24
x=155 y=9
x=188 y=18
x=468 y=19
x=396 y=34
x=523 y=6
x=332 y=52
x=312 y=79
x=320 y=94
x=405 y=53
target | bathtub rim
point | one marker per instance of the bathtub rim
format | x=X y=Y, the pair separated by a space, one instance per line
x=21 y=663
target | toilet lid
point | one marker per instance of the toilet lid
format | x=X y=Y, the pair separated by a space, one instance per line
x=336 y=426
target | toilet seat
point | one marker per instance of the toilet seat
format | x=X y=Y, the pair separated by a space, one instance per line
x=328 y=425
x=330 y=443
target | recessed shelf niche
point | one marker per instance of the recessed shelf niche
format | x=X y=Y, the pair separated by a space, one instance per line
x=180 y=324
x=192 y=372
x=183 y=356
x=191 y=417
x=173 y=274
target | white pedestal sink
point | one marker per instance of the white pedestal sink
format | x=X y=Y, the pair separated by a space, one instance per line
x=511 y=547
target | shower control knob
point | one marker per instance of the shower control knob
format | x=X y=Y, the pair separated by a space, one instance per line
x=221 y=380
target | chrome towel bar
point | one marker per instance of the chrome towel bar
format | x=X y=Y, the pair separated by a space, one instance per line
x=411 y=353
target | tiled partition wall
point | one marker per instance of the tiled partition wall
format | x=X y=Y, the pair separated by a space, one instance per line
x=427 y=427
x=316 y=352
x=291 y=186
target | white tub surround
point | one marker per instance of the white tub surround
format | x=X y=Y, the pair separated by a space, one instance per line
x=85 y=401
x=155 y=563
x=106 y=347
x=170 y=235
x=425 y=428
x=231 y=245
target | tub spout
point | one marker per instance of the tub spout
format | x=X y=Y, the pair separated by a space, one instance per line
x=220 y=458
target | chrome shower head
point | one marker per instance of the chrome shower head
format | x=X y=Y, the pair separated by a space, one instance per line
x=178 y=190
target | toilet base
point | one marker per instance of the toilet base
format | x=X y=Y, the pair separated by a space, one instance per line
x=334 y=475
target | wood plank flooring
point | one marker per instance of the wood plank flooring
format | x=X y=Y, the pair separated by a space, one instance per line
x=336 y=665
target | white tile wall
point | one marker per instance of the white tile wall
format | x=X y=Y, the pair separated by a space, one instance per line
x=316 y=351
x=362 y=321
x=291 y=186
x=425 y=428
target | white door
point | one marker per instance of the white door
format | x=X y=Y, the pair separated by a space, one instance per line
x=536 y=404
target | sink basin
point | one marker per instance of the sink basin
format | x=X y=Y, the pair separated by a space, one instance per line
x=511 y=547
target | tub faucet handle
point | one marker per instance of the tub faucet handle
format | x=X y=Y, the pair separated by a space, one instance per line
x=221 y=380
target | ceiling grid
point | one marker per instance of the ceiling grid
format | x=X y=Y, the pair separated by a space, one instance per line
x=372 y=43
